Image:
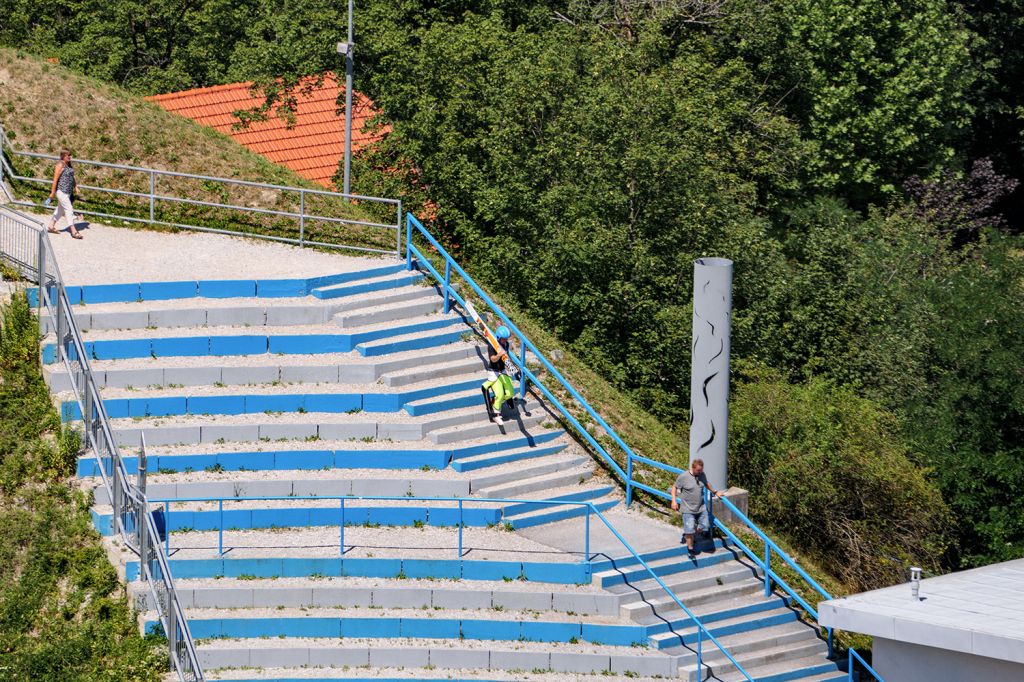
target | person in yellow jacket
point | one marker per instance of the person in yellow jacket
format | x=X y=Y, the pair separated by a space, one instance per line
x=498 y=382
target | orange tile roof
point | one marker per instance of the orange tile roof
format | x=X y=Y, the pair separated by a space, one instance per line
x=312 y=147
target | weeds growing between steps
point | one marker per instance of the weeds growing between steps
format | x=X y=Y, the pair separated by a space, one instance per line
x=63 y=615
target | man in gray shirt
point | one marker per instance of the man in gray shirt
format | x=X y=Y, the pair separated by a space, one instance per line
x=689 y=489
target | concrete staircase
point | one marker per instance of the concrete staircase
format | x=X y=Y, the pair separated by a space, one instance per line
x=359 y=384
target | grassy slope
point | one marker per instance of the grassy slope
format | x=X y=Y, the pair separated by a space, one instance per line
x=45 y=106
x=63 y=615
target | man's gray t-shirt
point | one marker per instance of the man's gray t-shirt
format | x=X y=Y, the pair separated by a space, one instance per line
x=691 y=490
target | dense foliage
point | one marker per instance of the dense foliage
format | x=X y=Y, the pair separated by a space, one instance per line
x=62 y=613
x=852 y=157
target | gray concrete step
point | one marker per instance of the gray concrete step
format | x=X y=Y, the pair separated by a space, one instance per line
x=720 y=574
x=467 y=367
x=529 y=469
x=406 y=311
x=750 y=642
x=380 y=594
x=470 y=416
x=794 y=662
x=541 y=484
x=663 y=606
x=437 y=655
x=522 y=424
x=236 y=485
x=407 y=294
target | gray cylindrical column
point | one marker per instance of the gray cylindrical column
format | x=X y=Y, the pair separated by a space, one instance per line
x=709 y=368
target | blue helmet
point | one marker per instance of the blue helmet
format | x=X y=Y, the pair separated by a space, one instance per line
x=502 y=332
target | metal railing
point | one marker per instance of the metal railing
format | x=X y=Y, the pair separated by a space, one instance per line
x=702 y=631
x=310 y=216
x=133 y=520
x=852 y=659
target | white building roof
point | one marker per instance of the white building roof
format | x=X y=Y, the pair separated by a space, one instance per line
x=980 y=611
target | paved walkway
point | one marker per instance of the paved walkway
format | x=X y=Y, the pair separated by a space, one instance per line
x=113 y=255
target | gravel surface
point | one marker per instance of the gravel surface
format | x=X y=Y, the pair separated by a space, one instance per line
x=419 y=613
x=428 y=542
x=311 y=642
x=201 y=302
x=417 y=674
x=149 y=256
x=382 y=583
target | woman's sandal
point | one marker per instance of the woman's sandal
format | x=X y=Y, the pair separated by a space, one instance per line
x=76 y=235
x=52 y=230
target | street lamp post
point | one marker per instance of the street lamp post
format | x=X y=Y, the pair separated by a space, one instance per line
x=348 y=49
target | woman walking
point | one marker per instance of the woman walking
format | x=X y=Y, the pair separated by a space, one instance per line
x=64 y=189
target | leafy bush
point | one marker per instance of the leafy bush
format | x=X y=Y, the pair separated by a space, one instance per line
x=63 y=615
x=829 y=470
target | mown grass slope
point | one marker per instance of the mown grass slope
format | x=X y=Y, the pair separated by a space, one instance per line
x=45 y=106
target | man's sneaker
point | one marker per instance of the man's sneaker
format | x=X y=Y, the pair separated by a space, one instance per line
x=691 y=554
x=499 y=420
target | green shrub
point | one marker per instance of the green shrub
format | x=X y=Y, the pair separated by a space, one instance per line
x=828 y=470
x=63 y=615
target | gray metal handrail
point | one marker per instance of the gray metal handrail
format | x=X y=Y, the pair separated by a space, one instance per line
x=301 y=216
x=132 y=517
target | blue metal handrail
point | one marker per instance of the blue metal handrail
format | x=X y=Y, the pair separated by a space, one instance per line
x=852 y=656
x=702 y=630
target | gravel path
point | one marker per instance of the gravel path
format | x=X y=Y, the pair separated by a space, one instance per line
x=313 y=672
x=417 y=613
x=110 y=255
x=382 y=583
x=582 y=647
x=480 y=544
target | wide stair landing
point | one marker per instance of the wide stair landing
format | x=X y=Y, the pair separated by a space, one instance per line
x=358 y=384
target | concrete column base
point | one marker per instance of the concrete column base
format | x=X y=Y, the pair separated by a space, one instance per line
x=740 y=498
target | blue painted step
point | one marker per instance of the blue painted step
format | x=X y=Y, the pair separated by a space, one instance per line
x=234 y=404
x=469 y=399
x=419 y=343
x=581 y=496
x=439 y=569
x=560 y=515
x=485 y=461
x=510 y=444
x=258 y=344
x=771 y=618
x=330 y=292
x=640 y=573
x=306 y=460
x=656 y=555
x=416 y=628
x=765 y=606
x=246 y=288
x=318 y=459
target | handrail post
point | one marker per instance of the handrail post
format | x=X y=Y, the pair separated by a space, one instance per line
x=460 y=529
x=152 y=197
x=523 y=381
x=220 y=527
x=172 y=626
x=398 y=230
x=41 y=269
x=700 y=654
x=447 y=285
x=408 y=241
x=167 y=528
x=302 y=217
x=586 y=537
x=629 y=478
x=341 y=540
x=849 y=665
x=143 y=538
x=767 y=567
